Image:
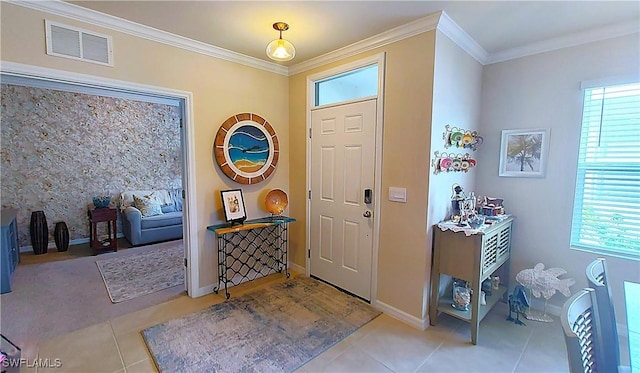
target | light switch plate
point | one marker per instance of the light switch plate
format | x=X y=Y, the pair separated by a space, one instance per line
x=398 y=194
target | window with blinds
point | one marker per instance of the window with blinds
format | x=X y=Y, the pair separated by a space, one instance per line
x=606 y=211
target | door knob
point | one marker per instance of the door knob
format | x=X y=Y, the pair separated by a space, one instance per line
x=367 y=214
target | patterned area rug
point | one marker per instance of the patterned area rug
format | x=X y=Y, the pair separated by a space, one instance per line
x=274 y=329
x=132 y=276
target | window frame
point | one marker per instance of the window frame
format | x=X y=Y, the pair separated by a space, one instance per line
x=600 y=169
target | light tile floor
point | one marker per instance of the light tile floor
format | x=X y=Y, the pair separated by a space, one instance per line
x=383 y=345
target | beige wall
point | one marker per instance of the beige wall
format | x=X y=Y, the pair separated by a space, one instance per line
x=404 y=253
x=220 y=89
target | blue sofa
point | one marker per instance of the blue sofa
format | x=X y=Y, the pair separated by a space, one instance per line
x=141 y=230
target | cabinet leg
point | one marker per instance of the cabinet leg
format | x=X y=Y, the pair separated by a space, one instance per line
x=474 y=333
x=434 y=299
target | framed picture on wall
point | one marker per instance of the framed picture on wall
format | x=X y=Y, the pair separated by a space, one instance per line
x=233 y=206
x=524 y=153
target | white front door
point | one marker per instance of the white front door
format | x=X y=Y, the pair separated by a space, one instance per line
x=342 y=168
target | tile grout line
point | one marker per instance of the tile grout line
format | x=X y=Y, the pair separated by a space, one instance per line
x=449 y=333
x=113 y=334
x=368 y=354
x=524 y=348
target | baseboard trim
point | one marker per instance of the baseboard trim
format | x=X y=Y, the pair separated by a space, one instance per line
x=199 y=292
x=52 y=244
x=297 y=268
x=402 y=316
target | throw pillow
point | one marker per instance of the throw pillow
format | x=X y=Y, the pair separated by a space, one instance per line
x=168 y=208
x=147 y=206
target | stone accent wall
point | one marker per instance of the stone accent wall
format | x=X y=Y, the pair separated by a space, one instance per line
x=60 y=149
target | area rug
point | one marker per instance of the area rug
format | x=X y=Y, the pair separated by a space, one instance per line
x=273 y=329
x=136 y=275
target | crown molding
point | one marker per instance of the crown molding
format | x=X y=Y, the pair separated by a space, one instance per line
x=462 y=39
x=438 y=20
x=78 y=13
x=410 y=29
x=572 y=40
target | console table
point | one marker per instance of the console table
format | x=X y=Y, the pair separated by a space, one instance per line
x=472 y=255
x=254 y=249
x=103 y=215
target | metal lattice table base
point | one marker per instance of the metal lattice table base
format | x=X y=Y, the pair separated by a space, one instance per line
x=246 y=254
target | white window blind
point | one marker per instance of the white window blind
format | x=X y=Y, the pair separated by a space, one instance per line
x=606 y=210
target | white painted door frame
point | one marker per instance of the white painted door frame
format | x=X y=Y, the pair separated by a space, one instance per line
x=53 y=76
x=378 y=59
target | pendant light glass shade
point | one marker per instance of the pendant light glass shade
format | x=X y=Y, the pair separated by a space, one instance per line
x=281 y=49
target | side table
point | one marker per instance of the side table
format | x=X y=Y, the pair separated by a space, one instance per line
x=103 y=215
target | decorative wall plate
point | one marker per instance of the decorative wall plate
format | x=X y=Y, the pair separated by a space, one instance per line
x=461 y=138
x=449 y=162
x=246 y=148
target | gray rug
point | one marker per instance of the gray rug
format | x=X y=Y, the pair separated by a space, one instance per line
x=136 y=275
x=274 y=329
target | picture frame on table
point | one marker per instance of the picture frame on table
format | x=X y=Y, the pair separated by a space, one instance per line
x=233 y=205
x=524 y=152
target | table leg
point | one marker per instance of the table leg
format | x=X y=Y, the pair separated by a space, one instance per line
x=94 y=242
x=115 y=235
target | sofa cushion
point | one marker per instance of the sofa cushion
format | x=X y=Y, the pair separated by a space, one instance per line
x=157 y=221
x=147 y=205
x=176 y=198
x=162 y=196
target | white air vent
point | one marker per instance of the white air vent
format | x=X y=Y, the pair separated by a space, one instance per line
x=72 y=42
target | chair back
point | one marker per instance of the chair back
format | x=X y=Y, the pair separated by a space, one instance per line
x=597 y=279
x=580 y=325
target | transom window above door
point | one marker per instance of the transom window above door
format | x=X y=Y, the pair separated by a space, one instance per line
x=352 y=85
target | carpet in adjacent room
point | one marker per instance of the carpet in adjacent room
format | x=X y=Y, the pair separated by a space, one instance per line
x=136 y=275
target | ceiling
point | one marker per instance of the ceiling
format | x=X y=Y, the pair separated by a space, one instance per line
x=319 y=27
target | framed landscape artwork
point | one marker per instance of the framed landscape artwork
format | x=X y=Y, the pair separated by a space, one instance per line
x=524 y=153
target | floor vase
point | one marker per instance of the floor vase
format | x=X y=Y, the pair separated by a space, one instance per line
x=39 y=231
x=61 y=236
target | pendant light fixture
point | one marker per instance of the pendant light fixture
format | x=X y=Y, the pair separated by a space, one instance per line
x=281 y=49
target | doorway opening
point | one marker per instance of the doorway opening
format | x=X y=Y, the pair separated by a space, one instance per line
x=179 y=103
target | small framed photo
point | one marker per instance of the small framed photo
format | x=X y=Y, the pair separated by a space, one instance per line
x=524 y=153
x=233 y=205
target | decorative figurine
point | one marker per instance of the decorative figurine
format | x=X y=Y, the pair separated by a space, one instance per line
x=518 y=303
x=541 y=282
x=457 y=197
x=495 y=282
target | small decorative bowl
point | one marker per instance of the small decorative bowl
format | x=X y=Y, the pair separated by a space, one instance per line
x=276 y=201
x=101 y=202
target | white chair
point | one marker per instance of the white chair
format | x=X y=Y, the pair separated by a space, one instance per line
x=597 y=279
x=581 y=332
